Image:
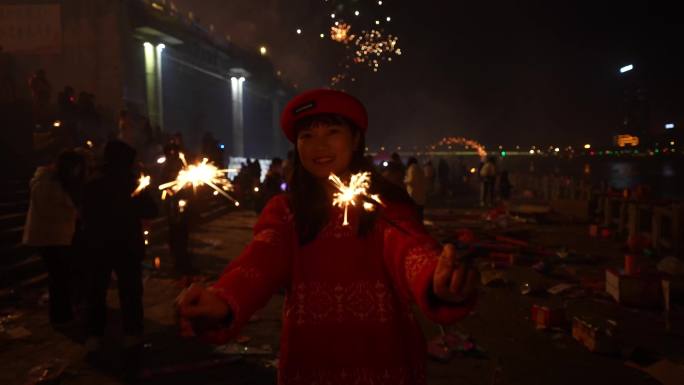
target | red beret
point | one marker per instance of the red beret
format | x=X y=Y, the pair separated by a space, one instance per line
x=322 y=101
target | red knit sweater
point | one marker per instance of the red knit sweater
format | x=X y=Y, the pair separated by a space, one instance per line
x=347 y=317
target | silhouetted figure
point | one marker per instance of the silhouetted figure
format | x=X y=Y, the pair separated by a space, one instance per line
x=430 y=176
x=51 y=225
x=505 y=186
x=395 y=172
x=112 y=222
x=41 y=90
x=211 y=149
x=66 y=101
x=443 y=176
x=488 y=177
x=415 y=185
x=288 y=166
x=272 y=184
x=178 y=208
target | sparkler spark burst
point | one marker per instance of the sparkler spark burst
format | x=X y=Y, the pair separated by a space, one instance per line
x=347 y=195
x=198 y=174
x=448 y=141
x=143 y=182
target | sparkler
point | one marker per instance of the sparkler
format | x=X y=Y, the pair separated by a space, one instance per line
x=143 y=182
x=198 y=174
x=357 y=189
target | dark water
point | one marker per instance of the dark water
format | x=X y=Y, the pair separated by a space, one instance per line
x=663 y=174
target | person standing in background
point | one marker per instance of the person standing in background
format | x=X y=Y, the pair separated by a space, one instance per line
x=416 y=186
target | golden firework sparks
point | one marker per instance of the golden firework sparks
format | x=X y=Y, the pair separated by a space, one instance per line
x=143 y=182
x=340 y=32
x=373 y=47
x=198 y=174
x=466 y=142
x=357 y=189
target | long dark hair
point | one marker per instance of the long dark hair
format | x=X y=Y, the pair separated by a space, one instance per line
x=308 y=198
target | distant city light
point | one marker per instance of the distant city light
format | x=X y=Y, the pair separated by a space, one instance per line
x=626 y=68
x=377 y=22
x=625 y=140
x=556 y=149
x=256 y=189
x=587 y=146
x=322 y=36
x=222 y=146
x=473 y=170
x=385 y=164
x=263 y=50
x=161 y=160
x=332 y=15
x=380 y=2
x=56 y=123
x=532 y=152
x=672 y=143
x=669 y=126
x=357 y=13
x=389 y=18
x=299 y=31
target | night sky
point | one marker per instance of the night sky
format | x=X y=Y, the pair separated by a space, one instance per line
x=502 y=72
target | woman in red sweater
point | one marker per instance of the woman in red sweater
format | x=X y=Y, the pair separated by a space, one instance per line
x=347 y=316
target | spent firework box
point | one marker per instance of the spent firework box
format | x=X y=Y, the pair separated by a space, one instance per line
x=598 y=336
x=639 y=290
x=545 y=317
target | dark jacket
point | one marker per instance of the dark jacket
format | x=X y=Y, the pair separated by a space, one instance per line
x=112 y=218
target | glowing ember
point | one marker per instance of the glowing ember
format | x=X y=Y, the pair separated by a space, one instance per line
x=195 y=175
x=340 y=33
x=143 y=182
x=347 y=195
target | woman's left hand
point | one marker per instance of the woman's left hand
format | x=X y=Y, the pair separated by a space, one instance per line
x=454 y=281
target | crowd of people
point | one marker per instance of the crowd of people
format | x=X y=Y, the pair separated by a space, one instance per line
x=86 y=227
x=87 y=221
x=424 y=183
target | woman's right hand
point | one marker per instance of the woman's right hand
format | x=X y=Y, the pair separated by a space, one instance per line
x=198 y=303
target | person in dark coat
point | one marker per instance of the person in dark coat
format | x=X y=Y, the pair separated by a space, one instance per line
x=272 y=184
x=113 y=233
x=505 y=186
x=178 y=210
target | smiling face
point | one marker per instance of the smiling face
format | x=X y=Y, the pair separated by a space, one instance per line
x=326 y=148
